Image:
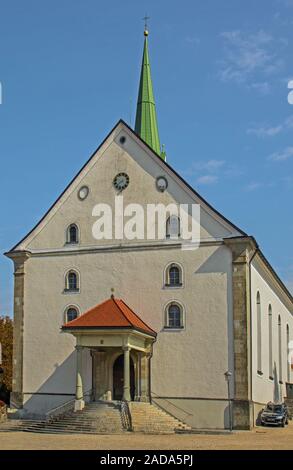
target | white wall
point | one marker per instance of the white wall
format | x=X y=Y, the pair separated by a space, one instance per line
x=262 y=385
x=187 y=363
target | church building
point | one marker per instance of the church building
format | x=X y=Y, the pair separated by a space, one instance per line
x=201 y=333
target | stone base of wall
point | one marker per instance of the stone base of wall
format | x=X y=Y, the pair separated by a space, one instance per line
x=243 y=414
x=3 y=414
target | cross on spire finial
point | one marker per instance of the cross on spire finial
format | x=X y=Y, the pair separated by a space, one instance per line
x=146 y=18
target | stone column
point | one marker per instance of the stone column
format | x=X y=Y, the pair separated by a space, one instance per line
x=145 y=363
x=126 y=385
x=243 y=250
x=79 y=401
x=19 y=259
x=138 y=378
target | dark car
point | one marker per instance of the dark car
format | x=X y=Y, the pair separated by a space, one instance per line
x=275 y=414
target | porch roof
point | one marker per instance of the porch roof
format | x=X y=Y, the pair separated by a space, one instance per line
x=112 y=313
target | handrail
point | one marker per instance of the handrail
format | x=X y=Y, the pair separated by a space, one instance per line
x=125 y=415
x=60 y=409
x=172 y=404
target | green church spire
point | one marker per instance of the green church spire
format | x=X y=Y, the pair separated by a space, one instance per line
x=146 y=125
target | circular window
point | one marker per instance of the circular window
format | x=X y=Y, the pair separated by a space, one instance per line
x=122 y=139
x=161 y=183
x=83 y=193
x=121 y=181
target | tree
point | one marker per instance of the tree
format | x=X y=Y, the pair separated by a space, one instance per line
x=6 y=340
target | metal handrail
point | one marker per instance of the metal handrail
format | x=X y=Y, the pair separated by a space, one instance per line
x=58 y=410
x=125 y=415
x=64 y=408
x=172 y=404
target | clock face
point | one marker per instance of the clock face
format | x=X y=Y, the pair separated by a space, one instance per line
x=161 y=183
x=121 y=181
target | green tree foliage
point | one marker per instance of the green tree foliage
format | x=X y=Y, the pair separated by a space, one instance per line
x=6 y=340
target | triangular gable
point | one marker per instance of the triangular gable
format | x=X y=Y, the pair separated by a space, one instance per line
x=96 y=155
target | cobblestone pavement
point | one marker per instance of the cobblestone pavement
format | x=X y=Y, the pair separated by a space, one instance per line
x=259 y=438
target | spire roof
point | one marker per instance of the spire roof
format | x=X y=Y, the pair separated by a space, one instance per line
x=146 y=125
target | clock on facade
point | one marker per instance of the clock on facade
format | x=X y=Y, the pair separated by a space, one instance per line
x=121 y=181
x=161 y=183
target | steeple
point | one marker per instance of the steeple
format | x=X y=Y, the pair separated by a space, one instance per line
x=146 y=118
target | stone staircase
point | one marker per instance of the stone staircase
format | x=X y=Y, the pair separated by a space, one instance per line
x=95 y=418
x=289 y=403
x=102 y=418
x=150 y=419
x=13 y=425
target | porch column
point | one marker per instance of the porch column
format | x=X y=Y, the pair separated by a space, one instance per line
x=145 y=364
x=138 y=378
x=126 y=385
x=79 y=401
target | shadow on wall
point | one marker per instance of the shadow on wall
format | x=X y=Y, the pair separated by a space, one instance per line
x=227 y=417
x=59 y=388
x=213 y=265
x=221 y=265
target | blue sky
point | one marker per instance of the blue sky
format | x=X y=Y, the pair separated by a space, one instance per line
x=69 y=70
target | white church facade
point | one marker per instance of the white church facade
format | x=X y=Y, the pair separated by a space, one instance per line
x=140 y=319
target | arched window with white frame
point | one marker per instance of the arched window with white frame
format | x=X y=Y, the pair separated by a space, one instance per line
x=72 y=281
x=71 y=313
x=288 y=354
x=173 y=275
x=280 y=349
x=174 y=318
x=259 y=333
x=271 y=366
x=72 y=235
x=173 y=227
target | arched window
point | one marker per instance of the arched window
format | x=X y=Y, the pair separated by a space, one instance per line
x=173 y=275
x=270 y=342
x=173 y=227
x=258 y=314
x=72 y=281
x=288 y=354
x=71 y=314
x=72 y=234
x=280 y=348
x=174 y=316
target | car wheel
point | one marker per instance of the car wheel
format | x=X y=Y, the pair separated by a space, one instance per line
x=283 y=424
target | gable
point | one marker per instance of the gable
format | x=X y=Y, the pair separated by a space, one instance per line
x=143 y=166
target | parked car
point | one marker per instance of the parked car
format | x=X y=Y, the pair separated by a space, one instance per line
x=275 y=414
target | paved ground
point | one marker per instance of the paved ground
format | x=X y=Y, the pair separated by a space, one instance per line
x=260 y=438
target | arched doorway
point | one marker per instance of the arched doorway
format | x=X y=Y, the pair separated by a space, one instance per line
x=118 y=378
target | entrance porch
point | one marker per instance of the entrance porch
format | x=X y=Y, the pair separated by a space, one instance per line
x=121 y=349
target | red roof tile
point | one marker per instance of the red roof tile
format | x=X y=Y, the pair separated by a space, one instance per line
x=112 y=313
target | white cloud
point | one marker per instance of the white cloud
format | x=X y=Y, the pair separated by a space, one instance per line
x=265 y=130
x=207 y=179
x=248 y=58
x=253 y=186
x=282 y=155
x=193 y=40
x=264 y=88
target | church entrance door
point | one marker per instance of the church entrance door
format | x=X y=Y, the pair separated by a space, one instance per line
x=118 y=378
